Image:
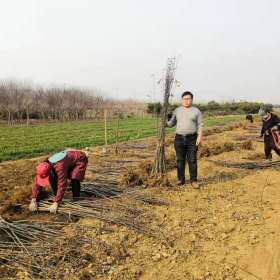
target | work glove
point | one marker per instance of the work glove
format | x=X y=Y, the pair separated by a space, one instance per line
x=53 y=208
x=33 y=206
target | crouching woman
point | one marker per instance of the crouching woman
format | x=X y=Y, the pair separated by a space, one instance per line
x=56 y=171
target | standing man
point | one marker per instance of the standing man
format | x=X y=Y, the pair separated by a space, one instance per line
x=188 y=121
x=56 y=171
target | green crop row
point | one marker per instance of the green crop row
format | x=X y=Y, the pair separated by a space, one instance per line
x=26 y=142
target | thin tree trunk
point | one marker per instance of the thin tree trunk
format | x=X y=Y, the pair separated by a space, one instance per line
x=27 y=115
x=9 y=118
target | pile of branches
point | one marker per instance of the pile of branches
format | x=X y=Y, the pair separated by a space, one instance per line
x=248 y=137
x=248 y=165
x=108 y=203
x=107 y=210
x=23 y=243
x=113 y=191
x=23 y=233
x=28 y=247
x=40 y=250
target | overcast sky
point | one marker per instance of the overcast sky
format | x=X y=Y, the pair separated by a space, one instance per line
x=227 y=49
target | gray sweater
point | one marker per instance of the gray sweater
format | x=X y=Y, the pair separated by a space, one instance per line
x=187 y=120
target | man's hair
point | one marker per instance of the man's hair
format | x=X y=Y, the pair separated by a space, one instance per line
x=187 y=93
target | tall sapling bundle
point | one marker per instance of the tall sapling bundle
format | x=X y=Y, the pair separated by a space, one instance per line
x=160 y=162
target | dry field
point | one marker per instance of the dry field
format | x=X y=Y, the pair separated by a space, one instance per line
x=229 y=229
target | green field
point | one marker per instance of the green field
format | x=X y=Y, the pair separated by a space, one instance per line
x=26 y=142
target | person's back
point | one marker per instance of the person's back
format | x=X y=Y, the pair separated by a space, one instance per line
x=270 y=121
x=55 y=171
x=249 y=117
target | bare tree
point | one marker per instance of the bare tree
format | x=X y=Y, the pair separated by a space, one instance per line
x=27 y=102
x=5 y=103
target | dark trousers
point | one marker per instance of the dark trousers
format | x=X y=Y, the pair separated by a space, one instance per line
x=269 y=145
x=75 y=185
x=186 y=150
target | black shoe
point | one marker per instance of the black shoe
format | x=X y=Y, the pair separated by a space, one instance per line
x=180 y=183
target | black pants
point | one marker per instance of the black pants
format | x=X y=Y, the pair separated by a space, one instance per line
x=75 y=185
x=269 y=145
x=186 y=150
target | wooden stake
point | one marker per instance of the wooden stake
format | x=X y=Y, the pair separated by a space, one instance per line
x=105 y=130
x=117 y=134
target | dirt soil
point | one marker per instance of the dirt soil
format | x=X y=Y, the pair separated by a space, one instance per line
x=229 y=229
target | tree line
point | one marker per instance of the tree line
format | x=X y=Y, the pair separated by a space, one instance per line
x=215 y=108
x=22 y=102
